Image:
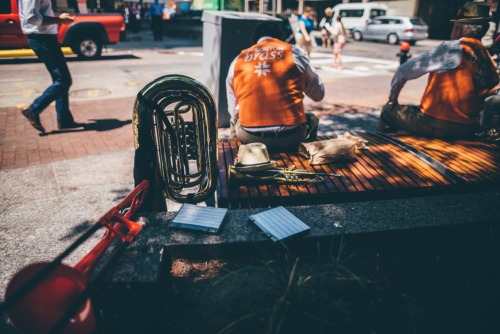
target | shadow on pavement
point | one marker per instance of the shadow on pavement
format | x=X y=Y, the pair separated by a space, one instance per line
x=96 y=125
x=336 y=118
x=77 y=230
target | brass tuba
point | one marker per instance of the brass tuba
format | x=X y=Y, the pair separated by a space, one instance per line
x=175 y=139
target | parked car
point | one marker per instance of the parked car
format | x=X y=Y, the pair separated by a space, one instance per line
x=392 y=29
x=86 y=35
x=356 y=14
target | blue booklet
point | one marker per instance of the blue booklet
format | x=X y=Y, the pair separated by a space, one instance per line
x=279 y=223
x=202 y=218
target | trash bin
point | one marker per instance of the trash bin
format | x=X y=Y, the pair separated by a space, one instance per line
x=225 y=34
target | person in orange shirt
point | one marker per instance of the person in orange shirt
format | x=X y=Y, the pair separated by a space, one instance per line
x=266 y=85
x=461 y=74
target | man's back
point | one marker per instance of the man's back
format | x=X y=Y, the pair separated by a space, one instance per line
x=267 y=82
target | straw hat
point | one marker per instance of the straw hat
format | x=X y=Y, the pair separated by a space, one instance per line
x=474 y=12
x=253 y=157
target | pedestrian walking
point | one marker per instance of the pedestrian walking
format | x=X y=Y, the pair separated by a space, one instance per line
x=40 y=25
x=306 y=25
x=326 y=26
x=156 y=15
x=339 y=40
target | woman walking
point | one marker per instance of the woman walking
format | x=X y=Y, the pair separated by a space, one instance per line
x=326 y=24
x=339 y=39
x=306 y=25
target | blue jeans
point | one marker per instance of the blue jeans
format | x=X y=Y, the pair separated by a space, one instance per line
x=48 y=50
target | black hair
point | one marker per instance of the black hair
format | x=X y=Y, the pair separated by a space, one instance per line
x=474 y=30
x=267 y=28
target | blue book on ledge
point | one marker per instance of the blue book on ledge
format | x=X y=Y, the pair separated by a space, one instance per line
x=201 y=218
x=279 y=223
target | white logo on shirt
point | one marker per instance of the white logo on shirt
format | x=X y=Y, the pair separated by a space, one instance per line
x=262 y=68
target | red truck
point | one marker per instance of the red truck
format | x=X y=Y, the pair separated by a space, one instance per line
x=86 y=35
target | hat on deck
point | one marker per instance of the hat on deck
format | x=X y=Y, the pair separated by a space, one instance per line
x=253 y=157
x=474 y=12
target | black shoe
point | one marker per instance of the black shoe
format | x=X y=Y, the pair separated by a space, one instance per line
x=71 y=125
x=33 y=119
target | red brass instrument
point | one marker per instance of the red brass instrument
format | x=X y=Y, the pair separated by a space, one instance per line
x=47 y=297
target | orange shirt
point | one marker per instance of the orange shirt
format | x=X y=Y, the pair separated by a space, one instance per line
x=268 y=85
x=458 y=95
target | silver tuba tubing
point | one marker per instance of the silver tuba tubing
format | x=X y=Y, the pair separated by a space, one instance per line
x=176 y=116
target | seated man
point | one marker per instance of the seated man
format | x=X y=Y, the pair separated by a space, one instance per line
x=461 y=75
x=265 y=85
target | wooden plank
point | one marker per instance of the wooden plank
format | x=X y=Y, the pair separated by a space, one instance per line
x=425 y=169
x=423 y=157
x=419 y=171
x=471 y=162
x=372 y=174
x=378 y=169
x=390 y=176
x=437 y=151
x=384 y=160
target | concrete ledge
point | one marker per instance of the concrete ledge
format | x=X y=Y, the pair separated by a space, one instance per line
x=145 y=259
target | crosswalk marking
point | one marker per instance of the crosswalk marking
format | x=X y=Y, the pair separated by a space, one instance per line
x=353 y=66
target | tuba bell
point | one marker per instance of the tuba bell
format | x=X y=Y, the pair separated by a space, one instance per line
x=175 y=140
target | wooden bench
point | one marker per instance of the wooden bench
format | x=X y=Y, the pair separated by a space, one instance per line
x=395 y=166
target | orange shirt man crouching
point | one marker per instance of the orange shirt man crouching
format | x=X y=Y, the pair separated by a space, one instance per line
x=266 y=85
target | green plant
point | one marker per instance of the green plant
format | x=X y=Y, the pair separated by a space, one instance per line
x=297 y=291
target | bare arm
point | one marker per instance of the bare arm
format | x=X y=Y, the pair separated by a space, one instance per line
x=64 y=18
x=302 y=27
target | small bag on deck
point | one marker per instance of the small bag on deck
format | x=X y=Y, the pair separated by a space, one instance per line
x=330 y=150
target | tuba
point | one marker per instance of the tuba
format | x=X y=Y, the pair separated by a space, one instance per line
x=175 y=140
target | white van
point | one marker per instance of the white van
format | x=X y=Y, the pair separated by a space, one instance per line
x=355 y=14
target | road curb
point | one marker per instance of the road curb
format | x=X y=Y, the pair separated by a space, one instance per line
x=28 y=52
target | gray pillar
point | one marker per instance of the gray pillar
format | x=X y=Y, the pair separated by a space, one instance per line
x=225 y=34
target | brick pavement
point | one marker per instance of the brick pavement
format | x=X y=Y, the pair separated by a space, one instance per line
x=108 y=128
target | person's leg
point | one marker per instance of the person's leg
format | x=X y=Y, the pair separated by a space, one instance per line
x=323 y=38
x=394 y=118
x=301 y=43
x=154 y=25
x=49 y=51
x=490 y=116
x=272 y=143
x=410 y=118
x=62 y=75
x=339 y=56
x=232 y=128
x=160 y=28
x=312 y=122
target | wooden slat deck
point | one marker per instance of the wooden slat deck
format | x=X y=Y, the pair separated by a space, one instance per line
x=386 y=170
